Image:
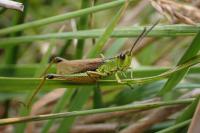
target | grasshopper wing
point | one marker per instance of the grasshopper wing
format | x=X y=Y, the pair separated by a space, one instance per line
x=78 y=66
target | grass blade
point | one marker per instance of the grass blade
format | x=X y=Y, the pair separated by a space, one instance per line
x=61 y=17
x=175 y=127
x=76 y=104
x=11 y=54
x=28 y=70
x=94 y=111
x=58 y=107
x=16 y=83
x=187 y=113
x=96 y=50
x=82 y=25
x=133 y=31
x=23 y=110
x=177 y=77
x=65 y=125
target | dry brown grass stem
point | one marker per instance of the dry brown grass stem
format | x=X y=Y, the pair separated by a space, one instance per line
x=157 y=116
x=177 y=12
x=106 y=116
x=95 y=128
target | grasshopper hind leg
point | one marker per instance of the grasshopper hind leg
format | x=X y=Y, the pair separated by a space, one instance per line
x=95 y=75
x=36 y=91
x=48 y=76
x=45 y=76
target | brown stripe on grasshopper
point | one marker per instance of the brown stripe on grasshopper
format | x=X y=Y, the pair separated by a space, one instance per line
x=80 y=79
x=77 y=66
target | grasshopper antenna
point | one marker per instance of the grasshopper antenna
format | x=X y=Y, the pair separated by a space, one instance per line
x=142 y=35
x=137 y=40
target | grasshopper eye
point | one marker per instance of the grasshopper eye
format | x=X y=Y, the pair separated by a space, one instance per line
x=122 y=56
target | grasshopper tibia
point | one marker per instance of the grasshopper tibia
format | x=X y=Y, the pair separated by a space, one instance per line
x=36 y=91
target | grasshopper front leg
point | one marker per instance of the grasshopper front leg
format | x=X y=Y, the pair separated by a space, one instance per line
x=96 y=75
x=122 y=82
x=118 y=78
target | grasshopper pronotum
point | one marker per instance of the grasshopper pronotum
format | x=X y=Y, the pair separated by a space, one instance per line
x=92 y=69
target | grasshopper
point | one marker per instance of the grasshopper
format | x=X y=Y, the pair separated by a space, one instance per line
x=91 y=70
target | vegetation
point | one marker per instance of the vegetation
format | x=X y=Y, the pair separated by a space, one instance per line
x=161 y=97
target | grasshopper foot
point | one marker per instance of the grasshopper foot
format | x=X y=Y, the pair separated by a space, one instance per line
x=118 y=79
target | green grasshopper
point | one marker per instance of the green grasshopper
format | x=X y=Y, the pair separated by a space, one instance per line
x=91 y=70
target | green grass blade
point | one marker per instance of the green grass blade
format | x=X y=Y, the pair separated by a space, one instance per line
x=97 y=97
x=116 y=46
x=44 y=60
x=175 y=127
x=143 y=106
x=62 y=51
x=176 y=78
x=188 y=112
x=82 y=25
x=28 y=70
x=16 y=83
x=96 y=50
x=193 y=61
x=139 y=93
x=76 y=104
x=11 y=53
x=58 y=108
x=61 y=17
x=23 y=111
x=66 y=124
x=133 y=31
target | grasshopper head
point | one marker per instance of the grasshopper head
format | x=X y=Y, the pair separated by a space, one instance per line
x=57 y=59
x=125 y=59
